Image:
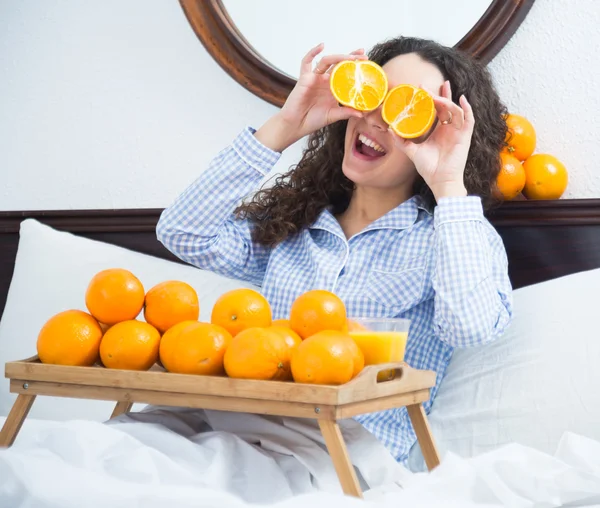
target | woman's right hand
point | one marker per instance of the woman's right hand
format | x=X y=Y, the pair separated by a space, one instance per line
x=310 y=105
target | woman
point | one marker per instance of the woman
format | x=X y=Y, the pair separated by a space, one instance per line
x=394 y=227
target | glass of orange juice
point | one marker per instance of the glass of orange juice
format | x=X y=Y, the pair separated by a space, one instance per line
x=381 y=340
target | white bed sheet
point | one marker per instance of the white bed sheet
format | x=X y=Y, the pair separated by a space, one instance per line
x=200 y=459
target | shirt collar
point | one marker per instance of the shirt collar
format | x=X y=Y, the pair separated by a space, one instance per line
x=401 y=217
x=327 y=222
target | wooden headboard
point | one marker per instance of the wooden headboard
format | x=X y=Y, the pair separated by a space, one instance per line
x=543 y=239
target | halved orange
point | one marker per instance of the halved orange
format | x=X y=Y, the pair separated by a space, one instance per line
x=409 y=111
x=359 y=84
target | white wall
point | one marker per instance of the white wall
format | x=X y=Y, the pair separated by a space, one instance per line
x=111 y=103
x=116 y=104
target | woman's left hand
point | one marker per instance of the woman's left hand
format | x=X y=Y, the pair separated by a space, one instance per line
x=441 y=158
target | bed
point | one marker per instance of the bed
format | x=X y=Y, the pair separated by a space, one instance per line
x=518 y=422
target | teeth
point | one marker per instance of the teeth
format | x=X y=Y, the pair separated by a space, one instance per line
x=369 y=142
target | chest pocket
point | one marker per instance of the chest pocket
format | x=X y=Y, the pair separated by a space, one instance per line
x=398 y=290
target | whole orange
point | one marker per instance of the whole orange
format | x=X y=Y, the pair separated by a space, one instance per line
x=546 y=177
x=290 y=336
x=258 y=353
x=114 y=295
x=71 y=337
x=326 y=358
x=240 y=309
x=169 y=303
x=130 y=345
x=292 y=339
x=358 y=357
x=284 y=323
x=520 y=138
x=191 y=347
x=315 y=311
x=511 y=179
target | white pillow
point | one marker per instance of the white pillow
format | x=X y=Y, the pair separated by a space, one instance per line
x=52 y=271
x=536 y=382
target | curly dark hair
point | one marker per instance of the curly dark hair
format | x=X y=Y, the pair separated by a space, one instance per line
x=317 y=182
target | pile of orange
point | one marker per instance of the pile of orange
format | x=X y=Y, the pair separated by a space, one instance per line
x=312 y=346
x=110 y=331
x=523 y=173
x=241 y=340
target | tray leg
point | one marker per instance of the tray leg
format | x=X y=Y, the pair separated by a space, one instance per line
x=121 y=407
x=15 y=419
x=424 y=435
x=339 y=455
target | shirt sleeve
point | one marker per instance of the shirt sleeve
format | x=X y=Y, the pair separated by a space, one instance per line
x=473 y=293
x=200 y=227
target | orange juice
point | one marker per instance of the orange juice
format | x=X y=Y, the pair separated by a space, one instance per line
x=381 y=347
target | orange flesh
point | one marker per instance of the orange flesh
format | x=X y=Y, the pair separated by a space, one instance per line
x=409 y=111
x=361 y=85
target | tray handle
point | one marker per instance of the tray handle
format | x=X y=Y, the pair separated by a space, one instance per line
x=406 y=379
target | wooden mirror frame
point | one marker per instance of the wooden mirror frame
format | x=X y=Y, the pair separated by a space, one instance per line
x=224 y=42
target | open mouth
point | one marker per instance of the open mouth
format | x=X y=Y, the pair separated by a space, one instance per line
x=367 y=149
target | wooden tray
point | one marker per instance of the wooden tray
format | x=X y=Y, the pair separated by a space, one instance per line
x=327 y=403
x=212 y=392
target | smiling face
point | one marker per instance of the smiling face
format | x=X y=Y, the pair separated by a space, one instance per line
x=371 y=158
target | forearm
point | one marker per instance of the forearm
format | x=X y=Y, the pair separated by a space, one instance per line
x=473 y=302
x=199 y=227
x=277 y=133
x=212 y=197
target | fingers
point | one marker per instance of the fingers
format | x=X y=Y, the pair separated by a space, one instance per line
x=306 y=65
x=446 y=91
x=330 y=60
x=448 y=112
x=360 y=51
x=342 y=113
x=408 y=146
x=469 y=116
x=451 y=114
